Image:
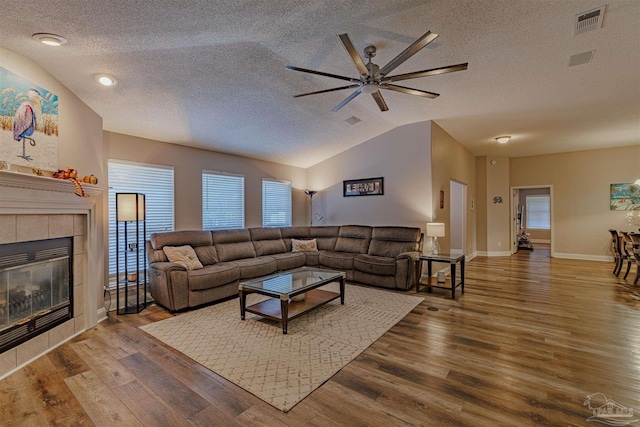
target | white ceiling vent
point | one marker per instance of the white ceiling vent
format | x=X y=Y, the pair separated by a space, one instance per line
x=581 y=58
x=353 y=120
x=589 y=20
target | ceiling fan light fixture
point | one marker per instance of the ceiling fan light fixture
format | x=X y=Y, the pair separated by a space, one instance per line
x=105 y=79
x=503 y=139
x=369 y=88
x=49 y=39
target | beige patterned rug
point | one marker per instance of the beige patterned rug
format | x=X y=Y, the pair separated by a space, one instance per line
x=284 y=369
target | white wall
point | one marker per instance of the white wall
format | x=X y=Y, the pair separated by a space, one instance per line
x=402 y=157
x=581 y=193
x=188 y=165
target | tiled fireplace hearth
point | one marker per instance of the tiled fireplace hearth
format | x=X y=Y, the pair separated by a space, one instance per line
x=34 y=208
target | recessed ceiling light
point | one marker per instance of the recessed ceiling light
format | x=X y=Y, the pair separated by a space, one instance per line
x=503 y=139
x=105 y=79
x=49 y=39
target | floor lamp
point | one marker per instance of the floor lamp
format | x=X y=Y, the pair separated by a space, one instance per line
x=310 y=193
x=130 y=210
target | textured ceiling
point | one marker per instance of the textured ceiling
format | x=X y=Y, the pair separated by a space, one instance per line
x=211 y=74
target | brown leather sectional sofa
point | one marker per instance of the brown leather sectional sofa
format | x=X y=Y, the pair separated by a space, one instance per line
x=377 y=256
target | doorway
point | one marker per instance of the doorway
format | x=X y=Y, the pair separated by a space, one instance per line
x=458 y=216
x=532 y=214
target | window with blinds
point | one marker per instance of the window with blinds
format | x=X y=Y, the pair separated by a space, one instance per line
x=538 y=212
x=276 y=203
x=222 y=201
x=156 y=183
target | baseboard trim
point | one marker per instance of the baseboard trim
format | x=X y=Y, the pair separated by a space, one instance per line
x=17 y=368
x=586 y=257
x=494 y=253
x=540 y=240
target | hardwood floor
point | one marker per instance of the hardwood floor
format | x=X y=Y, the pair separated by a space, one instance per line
x=525 y=345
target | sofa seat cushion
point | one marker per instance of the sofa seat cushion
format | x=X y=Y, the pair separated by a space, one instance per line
x=212 y=276
x=383 y=266
x=256 y=267
x=337 y=260
x=289 y=260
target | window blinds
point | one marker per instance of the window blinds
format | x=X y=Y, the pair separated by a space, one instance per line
x=538 y=212
x=276 y=203
x=222 y=201
x=156 y=183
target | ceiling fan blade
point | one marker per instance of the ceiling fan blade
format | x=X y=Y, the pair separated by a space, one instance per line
x=347 y=99
x=411 y=91
x=326 y=90
x=351 y=50
x=424 y=73
x=320 y=73
x=377 y=96
x=422 y=41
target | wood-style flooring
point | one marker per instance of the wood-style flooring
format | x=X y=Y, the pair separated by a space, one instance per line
x=525 y=345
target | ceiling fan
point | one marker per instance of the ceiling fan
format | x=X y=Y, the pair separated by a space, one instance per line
x=373 y=78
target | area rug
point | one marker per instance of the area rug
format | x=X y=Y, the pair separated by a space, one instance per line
x=284 y=369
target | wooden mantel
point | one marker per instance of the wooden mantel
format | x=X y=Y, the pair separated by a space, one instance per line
x=42 y=183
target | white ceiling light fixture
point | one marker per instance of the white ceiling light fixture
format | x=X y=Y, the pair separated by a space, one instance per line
x=105 y=79
x=503 y=139
x=49 y=39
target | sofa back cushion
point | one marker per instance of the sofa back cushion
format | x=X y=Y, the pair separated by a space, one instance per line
x=391 y=241
x=267 y=241
x=326 y=236
x=233 y=244
x=354 y=239
x=299 y=233
x=199 y=240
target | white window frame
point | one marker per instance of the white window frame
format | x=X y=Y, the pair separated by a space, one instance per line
x=223 y=193
x=538 y=201
x=276 y=203
x=160 y=207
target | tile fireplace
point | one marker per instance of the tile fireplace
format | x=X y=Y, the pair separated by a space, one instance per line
x=36 y=288
x=53 y=292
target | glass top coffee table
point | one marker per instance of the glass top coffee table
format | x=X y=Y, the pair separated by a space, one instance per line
x=282 y=287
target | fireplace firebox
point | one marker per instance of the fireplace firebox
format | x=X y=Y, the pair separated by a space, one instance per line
x=36 y=288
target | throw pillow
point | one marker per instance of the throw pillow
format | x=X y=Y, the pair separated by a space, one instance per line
x=183 y=255
x=304 y=245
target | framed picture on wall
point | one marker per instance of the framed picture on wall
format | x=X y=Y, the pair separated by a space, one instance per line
x=363 y=187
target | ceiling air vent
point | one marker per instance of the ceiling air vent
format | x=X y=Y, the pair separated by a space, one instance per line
x=353 y=120
x=581 y=58
x=589 y=20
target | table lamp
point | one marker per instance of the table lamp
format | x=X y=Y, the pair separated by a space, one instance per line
x=435 y=230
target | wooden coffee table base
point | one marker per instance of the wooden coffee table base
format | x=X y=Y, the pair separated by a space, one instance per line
x=284 y=310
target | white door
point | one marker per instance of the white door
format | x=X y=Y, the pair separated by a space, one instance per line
x=458 y=216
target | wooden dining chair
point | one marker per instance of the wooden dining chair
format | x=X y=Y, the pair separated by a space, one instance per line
x=635 y=248
x=616 y=248
x=626 y=249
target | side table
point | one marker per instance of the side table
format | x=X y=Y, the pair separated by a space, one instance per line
x=452 y=260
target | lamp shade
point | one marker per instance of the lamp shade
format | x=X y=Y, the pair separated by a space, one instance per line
x=130 y=207
x=435 y=229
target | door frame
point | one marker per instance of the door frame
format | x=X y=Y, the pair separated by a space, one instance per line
x=513 y=218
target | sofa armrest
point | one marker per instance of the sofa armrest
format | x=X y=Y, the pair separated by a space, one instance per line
x=169 y=285
x=167 y=266
x=411 y=267
x=413 y=256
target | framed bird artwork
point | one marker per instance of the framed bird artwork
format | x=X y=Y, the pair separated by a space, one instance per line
x=28 y=123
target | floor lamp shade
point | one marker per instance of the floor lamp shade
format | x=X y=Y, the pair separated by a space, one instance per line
x=130 y=207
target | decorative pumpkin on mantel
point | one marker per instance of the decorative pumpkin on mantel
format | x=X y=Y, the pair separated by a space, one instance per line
x=90 y=179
